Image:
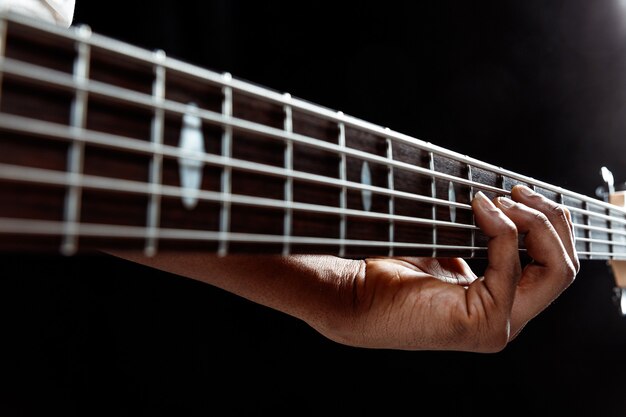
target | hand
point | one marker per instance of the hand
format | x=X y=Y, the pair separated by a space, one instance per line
x=440 y=304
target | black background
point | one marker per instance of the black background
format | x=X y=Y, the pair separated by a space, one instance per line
x=537 y=87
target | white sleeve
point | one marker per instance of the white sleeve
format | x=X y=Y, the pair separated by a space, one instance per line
x=60 y=12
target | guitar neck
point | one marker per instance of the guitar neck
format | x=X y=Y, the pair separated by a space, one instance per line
x=105 y=145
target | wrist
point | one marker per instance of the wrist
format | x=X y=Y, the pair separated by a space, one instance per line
x=335 y=316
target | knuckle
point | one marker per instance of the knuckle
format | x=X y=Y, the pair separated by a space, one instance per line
x=576 y=264
x=572 y=269
x=540 y=218
x=567 y=213
x=559 y=213
x=567 y=273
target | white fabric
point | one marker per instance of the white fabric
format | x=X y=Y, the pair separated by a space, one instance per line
x=60 y=12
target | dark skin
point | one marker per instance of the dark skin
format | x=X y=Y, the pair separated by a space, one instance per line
x=411 y=303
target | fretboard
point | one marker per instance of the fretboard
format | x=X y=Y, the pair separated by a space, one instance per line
x=105 y=145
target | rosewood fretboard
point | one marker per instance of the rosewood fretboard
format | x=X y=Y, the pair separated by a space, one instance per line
x=105 y=145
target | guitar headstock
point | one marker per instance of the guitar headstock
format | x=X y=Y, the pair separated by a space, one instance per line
x=615 y=195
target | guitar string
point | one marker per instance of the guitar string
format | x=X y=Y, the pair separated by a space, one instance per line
x=58 y=178
x=56 y=131
x=264 y=95
x=93 y=230
x=140 y=55
x=47 y=129
x=97 y=89
x=500 y=190
x=50 y=177
x=55 y=228
x=251 y=127
x=204 y=75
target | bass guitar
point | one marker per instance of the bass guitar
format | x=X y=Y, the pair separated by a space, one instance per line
x=134 y=149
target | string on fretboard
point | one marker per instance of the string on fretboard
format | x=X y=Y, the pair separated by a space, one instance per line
x=104 y=144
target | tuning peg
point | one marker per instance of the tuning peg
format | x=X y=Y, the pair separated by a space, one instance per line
x=607 y=176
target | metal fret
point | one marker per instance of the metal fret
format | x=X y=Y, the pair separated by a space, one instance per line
x=609 y=235
x=77 y=137
x=125 y=96
x=501 y=183
x=227 y=151
x=156 y=164
x=124 y=50
x=433 y=191
x=3 y=40
x=471 y=197
x=288 y=222
x=51 y=177
x=58 y=132
x=587 y=221
x=343 y=196
x=75 y=155
x=391 y=199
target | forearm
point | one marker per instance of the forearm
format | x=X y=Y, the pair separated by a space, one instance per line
x=315 y=288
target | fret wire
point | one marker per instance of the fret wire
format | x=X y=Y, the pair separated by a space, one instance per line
x=226 y=178
x=122 y=48
x=181 y=111
x=153 y=213
x=288 y=156
x=588 y=230
x=252 y=127
x=133 y=52
x=3 y=41
x=434 y=149
x=433 y=191
x=42 y=176
x=112 y=92
x=76 y=150
x=257 y=128
x=471 y=198
x=368 y=127
x=45 y=227
x=343 y=196
x=390 y=184
x=47 y=129
x=610 y=236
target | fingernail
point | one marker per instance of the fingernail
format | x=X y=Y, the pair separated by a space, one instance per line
x=505 y=202
x=482 y=199
x=527 y=192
